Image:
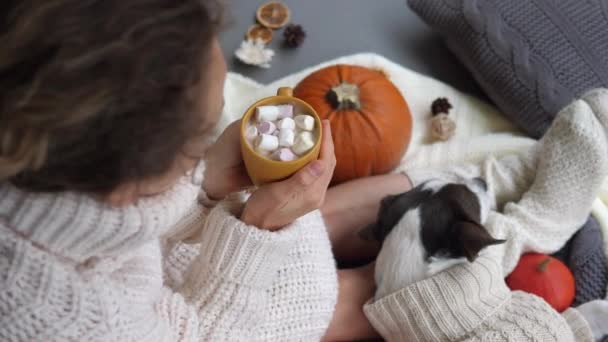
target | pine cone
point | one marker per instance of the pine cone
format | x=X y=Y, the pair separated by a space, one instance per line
x=294 y=35
x=441 y=105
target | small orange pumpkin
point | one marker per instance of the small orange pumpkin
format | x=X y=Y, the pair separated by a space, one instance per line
x=545 y=277
x=370 y=120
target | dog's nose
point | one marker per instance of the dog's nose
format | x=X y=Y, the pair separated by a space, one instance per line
x=482 y=183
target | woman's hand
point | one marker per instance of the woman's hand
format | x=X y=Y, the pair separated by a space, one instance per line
x=276 y=205
x=224 y=168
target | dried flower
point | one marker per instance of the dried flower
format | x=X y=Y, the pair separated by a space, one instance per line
x=254 y=52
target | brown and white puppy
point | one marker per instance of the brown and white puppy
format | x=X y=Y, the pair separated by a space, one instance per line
x=429 y=229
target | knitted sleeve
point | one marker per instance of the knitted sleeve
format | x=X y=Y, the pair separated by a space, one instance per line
x=219 y=274
x=181 y=244
x=194 y=218
x=227 y=283
x=179 y=247
x=578 y=324
x=232 y=274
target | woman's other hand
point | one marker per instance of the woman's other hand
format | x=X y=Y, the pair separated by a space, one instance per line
x=225 y=171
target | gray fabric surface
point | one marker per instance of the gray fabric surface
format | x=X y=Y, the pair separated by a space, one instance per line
x=584 y=255
x=341 y=27
x=531 y=57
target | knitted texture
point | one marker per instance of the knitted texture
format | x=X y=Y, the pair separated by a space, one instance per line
x=584 y=255
x=545 y=195
x=165 y=269
x=531 y=57
x=471 y=302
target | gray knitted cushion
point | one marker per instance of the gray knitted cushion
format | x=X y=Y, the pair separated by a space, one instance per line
x=532 y=57
x=584 y=255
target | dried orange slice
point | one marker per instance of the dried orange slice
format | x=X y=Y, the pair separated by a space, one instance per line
x=259 y=32
x=273 y=14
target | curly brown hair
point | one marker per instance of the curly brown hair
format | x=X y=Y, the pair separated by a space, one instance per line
x=94 y=93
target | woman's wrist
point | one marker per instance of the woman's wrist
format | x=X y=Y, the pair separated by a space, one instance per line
x=211 y=192
x=219 y=184
x=258 y=221
x=208 y=196
x=207 y=200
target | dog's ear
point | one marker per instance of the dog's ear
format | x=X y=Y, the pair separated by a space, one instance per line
x=464 y=202
x=472 y=238
x=372 y=232
x=368 y=233
x=388 y=200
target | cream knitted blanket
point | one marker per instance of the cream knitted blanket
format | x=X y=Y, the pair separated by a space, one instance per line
x=480 y=128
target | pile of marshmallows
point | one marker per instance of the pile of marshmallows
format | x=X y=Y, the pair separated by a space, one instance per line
x=278 y=135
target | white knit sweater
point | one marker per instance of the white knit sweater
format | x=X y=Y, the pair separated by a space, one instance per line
x=74 y=269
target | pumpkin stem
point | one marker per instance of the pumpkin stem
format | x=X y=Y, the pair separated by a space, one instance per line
x=542 y=267
x=344 y=96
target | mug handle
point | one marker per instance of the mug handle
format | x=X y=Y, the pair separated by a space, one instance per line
x=285 y=91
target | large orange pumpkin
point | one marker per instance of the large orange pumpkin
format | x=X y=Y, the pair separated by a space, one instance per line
x=370 y=120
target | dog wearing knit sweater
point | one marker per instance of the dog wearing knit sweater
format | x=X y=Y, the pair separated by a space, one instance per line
x=437 y=281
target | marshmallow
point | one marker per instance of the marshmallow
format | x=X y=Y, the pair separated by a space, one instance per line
x=285 y=111
x=305 y=122
x=286 y=123
x=286 y=137
x=266 y=127
x=284 y=154
x=267 y=142
x=303 y=143
x=251 y=133
x=266 y=113
x=265 y=154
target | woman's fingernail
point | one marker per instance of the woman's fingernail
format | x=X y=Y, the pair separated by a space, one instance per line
x=316 y=168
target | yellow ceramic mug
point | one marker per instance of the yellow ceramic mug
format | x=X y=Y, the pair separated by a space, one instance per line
x=264 y=170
